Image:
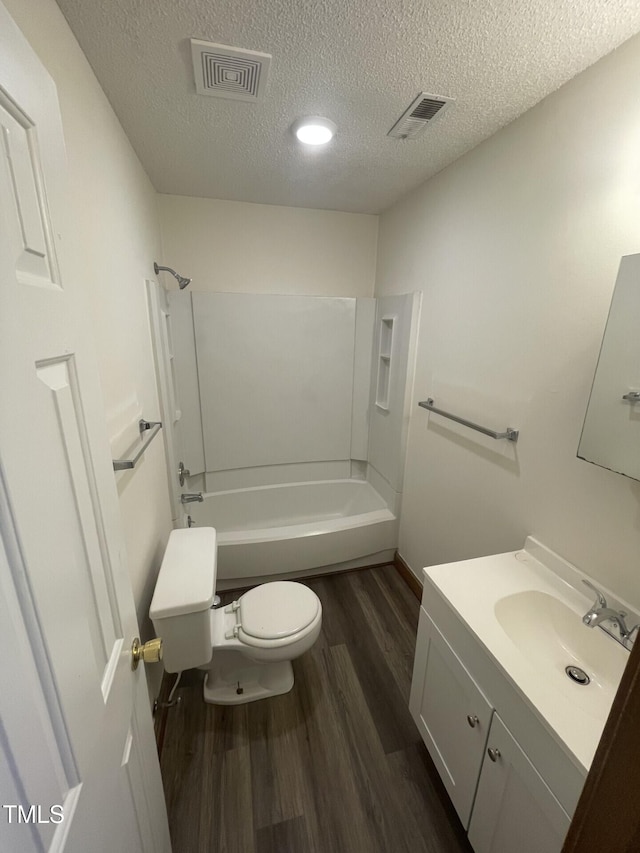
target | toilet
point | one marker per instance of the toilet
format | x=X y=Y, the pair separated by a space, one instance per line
x=245 y=647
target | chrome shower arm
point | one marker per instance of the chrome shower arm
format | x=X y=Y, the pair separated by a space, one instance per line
x=182 y=281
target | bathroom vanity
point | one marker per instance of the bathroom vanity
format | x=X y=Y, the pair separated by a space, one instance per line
x=511 y=734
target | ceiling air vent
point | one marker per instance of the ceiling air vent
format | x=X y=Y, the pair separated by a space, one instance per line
x=229 y=72
x=422 y=112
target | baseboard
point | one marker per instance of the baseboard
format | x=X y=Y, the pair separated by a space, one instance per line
x=301 y=576
x=407 y=576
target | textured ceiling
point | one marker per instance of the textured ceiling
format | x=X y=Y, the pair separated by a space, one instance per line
x=358 y=62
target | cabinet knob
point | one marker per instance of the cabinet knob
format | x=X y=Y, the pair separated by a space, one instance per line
x=472 y=720
x=494 y=754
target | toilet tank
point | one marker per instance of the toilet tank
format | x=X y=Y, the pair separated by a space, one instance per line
x=183 y=596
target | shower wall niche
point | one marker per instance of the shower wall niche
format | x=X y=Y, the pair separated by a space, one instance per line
x=385 y=349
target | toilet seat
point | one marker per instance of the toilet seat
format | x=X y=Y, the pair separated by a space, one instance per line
x=274 y=614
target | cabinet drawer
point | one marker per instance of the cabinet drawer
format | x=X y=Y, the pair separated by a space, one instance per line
x=452 y=714
x=514 y=809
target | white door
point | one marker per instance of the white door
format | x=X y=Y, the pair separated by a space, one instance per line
x=78 y=766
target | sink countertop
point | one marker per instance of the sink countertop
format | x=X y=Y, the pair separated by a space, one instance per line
x=574 y=713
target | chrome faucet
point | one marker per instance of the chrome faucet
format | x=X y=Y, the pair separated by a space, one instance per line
x=600 y=612
x=192 y=498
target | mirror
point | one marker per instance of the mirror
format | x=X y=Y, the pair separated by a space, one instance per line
x=611 y=431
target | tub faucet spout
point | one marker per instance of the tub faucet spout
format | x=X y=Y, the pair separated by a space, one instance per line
x=191 y=498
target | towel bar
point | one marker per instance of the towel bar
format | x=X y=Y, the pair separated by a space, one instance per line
x=154 y=428
x=510 y=434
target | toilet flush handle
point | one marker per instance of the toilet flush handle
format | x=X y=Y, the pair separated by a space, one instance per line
x=149 y=652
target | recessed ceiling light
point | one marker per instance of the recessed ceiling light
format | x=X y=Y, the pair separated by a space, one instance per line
x=314 y=130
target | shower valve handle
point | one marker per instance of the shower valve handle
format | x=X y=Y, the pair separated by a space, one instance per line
x=183 y=473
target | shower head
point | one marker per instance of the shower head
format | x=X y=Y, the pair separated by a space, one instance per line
x=182 y=281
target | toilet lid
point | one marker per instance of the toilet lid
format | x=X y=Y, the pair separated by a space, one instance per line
x=278 y=609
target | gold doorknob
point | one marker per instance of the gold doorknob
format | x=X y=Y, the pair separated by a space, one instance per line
x=150 y=652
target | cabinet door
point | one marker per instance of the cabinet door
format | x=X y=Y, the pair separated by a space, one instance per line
x=452 y=714
x=514 y=809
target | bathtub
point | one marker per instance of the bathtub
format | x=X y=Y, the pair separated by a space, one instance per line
x=294 y=529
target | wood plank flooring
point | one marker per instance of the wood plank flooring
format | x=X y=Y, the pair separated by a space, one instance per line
x=334 y=766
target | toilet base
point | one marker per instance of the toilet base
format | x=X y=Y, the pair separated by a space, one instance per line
x=255 y=680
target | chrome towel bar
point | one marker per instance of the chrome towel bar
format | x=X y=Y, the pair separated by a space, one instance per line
x=510 y=434
x=153 y=428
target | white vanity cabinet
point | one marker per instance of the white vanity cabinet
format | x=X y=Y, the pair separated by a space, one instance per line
x=514 y=810
x=452 y=713
x=501 y=798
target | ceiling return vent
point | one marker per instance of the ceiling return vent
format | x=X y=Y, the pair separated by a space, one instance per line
x=422 y=112
x=229 y=72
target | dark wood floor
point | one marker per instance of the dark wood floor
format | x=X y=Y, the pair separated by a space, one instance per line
x=334 y=766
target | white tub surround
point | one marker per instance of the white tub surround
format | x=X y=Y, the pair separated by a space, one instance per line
x=392 y=376
x=276 y=378
x=268 y=382
x=491 y=697
x=297 y=528
x=271 y=397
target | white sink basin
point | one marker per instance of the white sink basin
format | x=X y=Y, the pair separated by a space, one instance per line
x=551 y=636
x=525 y=608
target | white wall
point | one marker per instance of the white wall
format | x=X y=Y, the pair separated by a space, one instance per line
x=516 y=248
x=115 y=240
x=258 y=248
